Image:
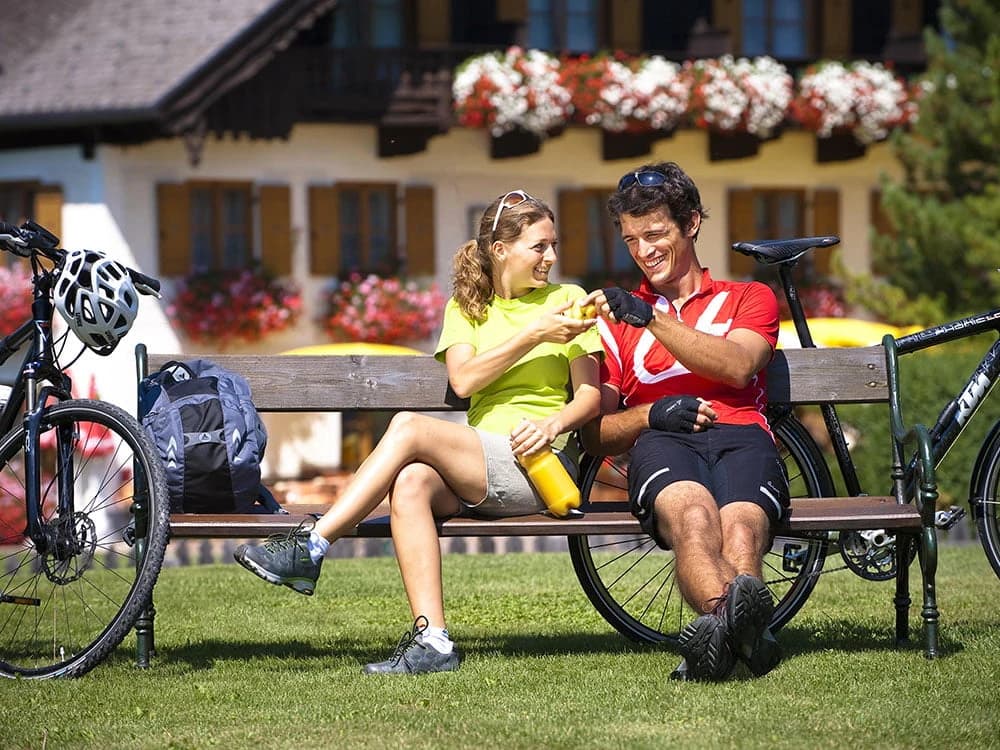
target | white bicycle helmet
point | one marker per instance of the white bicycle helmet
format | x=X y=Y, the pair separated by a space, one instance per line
x=95 y=296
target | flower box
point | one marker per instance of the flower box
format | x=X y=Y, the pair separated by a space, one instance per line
x=382 y=310
x=739 y=95
x=865 y=100
x=513 y=90
x=227 y=306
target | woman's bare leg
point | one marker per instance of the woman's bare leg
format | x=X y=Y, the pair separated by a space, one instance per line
x=453 y=450
x=420 y=495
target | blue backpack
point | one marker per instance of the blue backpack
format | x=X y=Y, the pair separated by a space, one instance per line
x=209 y=437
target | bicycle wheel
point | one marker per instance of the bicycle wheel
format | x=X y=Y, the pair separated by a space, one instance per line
x=64 y=608
x=631 y=581
x=984 y=504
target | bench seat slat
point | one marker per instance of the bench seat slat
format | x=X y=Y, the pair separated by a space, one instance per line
x=808 y=514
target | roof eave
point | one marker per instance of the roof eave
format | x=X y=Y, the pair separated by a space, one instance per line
x=182 y=107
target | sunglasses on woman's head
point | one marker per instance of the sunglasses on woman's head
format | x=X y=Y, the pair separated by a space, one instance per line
x=646 y=178
x=513 y=198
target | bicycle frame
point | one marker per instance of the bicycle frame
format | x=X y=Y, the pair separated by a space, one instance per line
x=39 y=366
x=953 y=418
x=958 y=412
x=829 y=411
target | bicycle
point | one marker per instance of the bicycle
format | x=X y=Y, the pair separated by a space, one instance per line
x=82 y=488
x=630 y=580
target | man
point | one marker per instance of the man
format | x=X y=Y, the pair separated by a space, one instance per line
x=685 y=358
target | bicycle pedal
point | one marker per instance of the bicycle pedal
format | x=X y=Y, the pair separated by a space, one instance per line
x=945 y=519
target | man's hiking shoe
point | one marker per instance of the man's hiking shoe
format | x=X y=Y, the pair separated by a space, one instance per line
x=282 y=559
x=413 y=656
x=748 y=613
x=707 y=650
x=681 y=673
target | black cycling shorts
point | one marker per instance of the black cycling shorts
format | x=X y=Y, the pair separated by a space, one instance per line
x=735 y=463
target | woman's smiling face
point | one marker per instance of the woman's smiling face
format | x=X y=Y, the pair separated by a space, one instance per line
x=526 y=261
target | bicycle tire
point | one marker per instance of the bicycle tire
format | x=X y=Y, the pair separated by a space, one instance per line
x=984 y=502
x=630 y=580
x=66 y=608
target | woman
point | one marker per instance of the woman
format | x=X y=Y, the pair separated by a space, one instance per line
x=510 y=350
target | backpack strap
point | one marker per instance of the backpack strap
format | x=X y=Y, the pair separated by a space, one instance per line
x=266 y=499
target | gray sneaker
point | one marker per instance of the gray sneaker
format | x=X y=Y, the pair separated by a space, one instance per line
x=413 y=656
x=283 y=559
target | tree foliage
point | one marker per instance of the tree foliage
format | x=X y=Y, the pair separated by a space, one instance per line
x=943 y=254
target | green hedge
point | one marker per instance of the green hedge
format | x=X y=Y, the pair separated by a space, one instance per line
x=929 y=379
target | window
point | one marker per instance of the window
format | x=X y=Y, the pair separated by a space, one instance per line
x=591 y=249
x=20 y=201
x=768 y=214
x=607 y=253
x=368 y=23
x=380 y=228
x=221 y=226
x=368 y=229
x=563 y=25
x=775 y=27
x=215 y=226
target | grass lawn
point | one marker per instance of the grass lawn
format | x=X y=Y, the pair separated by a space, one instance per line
x=242 y=664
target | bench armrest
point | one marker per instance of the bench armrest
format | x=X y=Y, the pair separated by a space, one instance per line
x=923 y=487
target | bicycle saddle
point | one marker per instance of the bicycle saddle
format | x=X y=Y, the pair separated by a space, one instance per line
x=773 y=252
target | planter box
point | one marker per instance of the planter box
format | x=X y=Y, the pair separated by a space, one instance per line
x=839 y=147
x=513 y=144
x=725 y=146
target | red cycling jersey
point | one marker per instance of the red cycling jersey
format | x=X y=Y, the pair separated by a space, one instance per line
x=642 y=370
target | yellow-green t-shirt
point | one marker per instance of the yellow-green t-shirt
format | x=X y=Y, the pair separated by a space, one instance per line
x=538 y=384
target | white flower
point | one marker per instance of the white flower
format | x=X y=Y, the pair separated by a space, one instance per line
x=661 y=93
x=524 y=90
x=742 y=94
x=863 y=98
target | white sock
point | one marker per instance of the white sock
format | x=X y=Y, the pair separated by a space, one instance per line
x=438 y=639
x=317 y=546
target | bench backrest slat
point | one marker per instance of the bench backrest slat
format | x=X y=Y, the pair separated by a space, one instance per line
x=420 y=383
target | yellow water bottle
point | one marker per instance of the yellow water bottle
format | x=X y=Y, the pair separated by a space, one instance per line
x=554 y=484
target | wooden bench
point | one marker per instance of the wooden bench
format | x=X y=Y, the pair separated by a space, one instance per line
x=290 y=383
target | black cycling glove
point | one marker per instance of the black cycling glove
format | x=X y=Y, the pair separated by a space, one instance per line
x=674 y=414
x=628 y=308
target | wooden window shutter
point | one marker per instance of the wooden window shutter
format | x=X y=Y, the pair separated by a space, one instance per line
x=173 y=210
x=835 y=27
x=48 y=208
x=826 y=220
x=626 y=25
x=276 y=229
x=742 y=227
x=418 y=201
x=727 y=15
x=512 y=11
x=572 y=234
x=324 y=230
x=433 y=23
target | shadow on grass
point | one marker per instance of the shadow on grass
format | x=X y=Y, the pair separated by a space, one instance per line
x=841 y=634
x=206 y=654
x=845 y=634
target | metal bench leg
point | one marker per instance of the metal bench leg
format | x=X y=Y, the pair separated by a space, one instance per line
x=144 y=645
x=902 y=599
x=928 y=568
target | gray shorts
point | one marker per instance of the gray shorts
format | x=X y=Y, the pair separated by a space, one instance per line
x=508 y=489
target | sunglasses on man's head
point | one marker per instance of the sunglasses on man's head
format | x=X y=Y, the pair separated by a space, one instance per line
x=513 y=198
x=646 y=178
